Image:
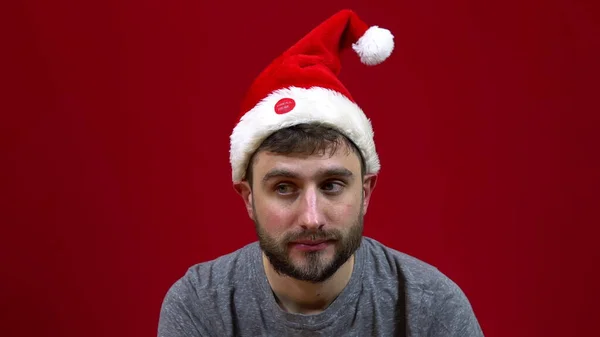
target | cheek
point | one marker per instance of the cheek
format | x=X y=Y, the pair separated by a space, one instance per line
x=273 y=218
x=348 y=211
x=341 y=213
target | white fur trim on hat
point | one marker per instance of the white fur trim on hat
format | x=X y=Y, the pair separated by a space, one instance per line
x=316 y=104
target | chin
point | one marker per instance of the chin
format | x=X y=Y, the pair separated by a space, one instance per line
x=310 y=259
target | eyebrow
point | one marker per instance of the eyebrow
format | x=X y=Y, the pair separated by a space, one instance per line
x=283 y=173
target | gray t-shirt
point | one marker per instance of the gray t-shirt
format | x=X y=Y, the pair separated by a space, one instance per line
x=389 y=294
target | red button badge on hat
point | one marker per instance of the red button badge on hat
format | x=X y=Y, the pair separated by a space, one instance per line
x=284 y=105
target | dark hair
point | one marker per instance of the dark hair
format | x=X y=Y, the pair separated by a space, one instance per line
x=305 y=139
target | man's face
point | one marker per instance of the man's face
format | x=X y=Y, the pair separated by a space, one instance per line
x=308 y=211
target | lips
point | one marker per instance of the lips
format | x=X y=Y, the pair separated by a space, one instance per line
x=310 y=245
x=309 y=242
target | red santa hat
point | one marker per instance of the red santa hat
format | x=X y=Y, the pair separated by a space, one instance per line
x=301 y=86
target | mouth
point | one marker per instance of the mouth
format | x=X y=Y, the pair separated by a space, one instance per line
x=311 y=245
x=309 y=242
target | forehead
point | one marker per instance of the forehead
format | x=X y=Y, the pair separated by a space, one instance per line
x=307 y=165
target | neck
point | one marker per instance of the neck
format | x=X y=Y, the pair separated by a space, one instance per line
x=303 y=297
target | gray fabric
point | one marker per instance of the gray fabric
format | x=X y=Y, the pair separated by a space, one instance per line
x=389 y=294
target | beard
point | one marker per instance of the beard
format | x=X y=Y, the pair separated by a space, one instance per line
x=316 y=268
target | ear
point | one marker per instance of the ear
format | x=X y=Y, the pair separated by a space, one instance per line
x=369 y=183
x=243 y=190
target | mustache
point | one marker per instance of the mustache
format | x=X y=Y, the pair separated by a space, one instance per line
x=313 y=235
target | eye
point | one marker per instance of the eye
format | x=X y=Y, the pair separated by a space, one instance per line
x=284 y=189
x=333 y=186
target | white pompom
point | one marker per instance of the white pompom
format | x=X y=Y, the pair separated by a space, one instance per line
x=374 y=46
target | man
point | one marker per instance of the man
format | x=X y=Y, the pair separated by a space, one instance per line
x=305 y=164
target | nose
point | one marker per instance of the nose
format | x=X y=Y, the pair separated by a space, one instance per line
x=310 y=209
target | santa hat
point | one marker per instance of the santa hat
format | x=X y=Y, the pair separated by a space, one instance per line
x=301 y=86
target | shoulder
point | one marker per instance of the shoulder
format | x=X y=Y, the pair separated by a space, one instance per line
x=436 y=301
x=224 y=270
x=193 y=299
x=206 y=278
x=387 y=262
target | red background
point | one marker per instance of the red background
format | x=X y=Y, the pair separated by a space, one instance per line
x=114 y=133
